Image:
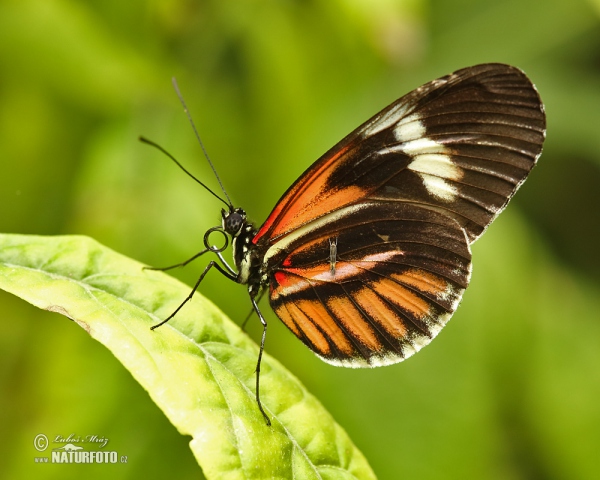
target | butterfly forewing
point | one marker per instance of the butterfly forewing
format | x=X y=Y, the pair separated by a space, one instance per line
x=403 y=197
x=472 y=140
x=464 y=142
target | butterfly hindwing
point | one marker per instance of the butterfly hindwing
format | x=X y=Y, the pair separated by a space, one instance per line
x=401 y=198
x=399 y=274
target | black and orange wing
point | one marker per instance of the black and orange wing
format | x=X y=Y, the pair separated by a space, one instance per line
x=400 y=270
x=403 y=197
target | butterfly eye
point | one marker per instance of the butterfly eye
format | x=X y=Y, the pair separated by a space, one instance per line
x=233 y=221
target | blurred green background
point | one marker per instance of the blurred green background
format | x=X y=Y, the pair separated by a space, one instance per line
x=509 y=390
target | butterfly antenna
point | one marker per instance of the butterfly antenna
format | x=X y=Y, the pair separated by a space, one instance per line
x=158 y=147
x=187 y=112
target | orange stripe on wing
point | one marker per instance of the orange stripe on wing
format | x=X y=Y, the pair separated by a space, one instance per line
x=402 y=297
x=299 y=196
x=295 y=319
x=319 y=201
x=424 y=281
x=286 y=318
x=380 y=312
x=307 y=314
x=354 y=322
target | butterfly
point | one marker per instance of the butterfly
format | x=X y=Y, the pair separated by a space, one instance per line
x=366 y=256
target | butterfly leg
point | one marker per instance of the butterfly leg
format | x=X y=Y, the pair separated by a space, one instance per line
x=211 y=264
x=260 y=352
x=243 y=326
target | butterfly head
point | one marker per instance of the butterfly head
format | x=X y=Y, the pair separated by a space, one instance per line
x=233 y=220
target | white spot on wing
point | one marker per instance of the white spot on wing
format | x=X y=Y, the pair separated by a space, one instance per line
x=343 y=271
x=381 y=256
x=439 y=188
x=408 y=349
x=409 y=128
x=385 y=121
x=436 y=164
x=431 y=160
x=434 y=328
x=419 y=146
x=420 y=341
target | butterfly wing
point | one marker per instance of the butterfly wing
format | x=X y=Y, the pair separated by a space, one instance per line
x=405 y=195
x=400 y=270
x=464 y=142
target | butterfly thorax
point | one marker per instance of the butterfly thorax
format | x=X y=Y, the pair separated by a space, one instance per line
x=245 y=255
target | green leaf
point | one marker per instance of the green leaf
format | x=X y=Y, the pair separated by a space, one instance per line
x=198 y=368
